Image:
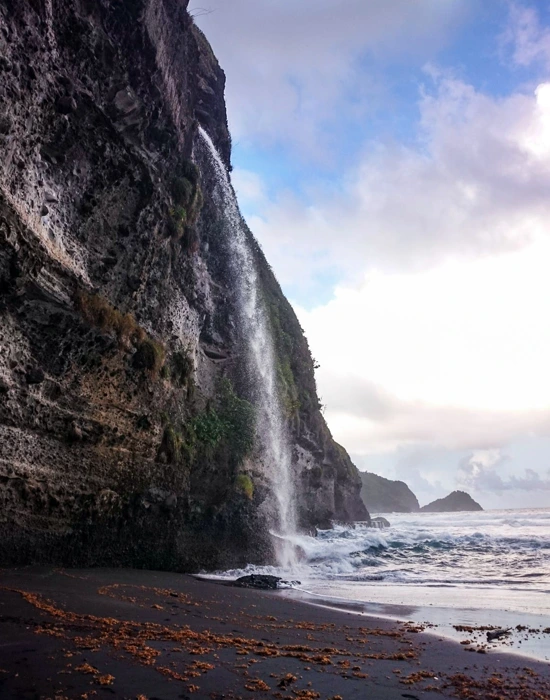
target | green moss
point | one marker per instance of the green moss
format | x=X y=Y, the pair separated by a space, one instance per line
x=178 y=446
x=188 y=201
x=231 y=424
x=209 y=428
x=182 y=191
x=245 y=484
x=239 y=417
x=287 y=385
x=196 y=204
x=172 y=442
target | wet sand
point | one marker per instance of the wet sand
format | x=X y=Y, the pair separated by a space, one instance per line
x=528 y=633
x=70 y=634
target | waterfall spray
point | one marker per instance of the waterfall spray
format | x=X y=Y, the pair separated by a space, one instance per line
x=271 y=428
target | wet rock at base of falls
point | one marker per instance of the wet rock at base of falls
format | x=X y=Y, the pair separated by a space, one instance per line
x=379 y=522
x=282 y=546
x=263 y=581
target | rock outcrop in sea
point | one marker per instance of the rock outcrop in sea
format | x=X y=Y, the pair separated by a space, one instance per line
x=127 y=416
x=453 y=503
x=381 y=495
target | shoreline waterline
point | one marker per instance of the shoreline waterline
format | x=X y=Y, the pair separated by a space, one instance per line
x=443 y=621
x=456 y=624
x=467 y=569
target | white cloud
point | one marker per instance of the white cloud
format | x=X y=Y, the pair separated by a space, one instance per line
x=528 y=38
x=456 y=356
x=476 y=183
x=249 y=188
x=294 y=67
x=479 y=472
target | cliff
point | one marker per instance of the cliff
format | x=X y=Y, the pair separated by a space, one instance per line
x=126 y=422
x=454 y=502
x=382 y=495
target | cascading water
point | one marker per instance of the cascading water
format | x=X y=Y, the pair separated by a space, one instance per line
x=271 y=429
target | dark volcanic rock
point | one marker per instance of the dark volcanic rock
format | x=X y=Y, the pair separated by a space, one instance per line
x=454 y=502
x=382 y=495
x=113 y=273
x=380 y=522
x=258 y=581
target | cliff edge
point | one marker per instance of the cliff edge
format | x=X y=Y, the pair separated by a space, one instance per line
x=126 y=422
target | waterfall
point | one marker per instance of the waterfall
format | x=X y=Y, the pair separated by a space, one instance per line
x=272 y=437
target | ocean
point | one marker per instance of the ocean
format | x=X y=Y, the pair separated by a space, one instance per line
x=443 y=570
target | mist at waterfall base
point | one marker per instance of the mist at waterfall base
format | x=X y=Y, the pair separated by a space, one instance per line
x=490 y=567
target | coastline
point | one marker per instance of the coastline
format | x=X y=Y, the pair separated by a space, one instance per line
x=529 y=634
x=123 y=633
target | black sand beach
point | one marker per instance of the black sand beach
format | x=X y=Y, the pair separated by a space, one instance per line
x=68 y=634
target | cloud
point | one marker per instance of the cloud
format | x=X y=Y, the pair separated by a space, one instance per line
x=479 y=472
x=476 y=182
x=294 y=68
x=527 y=38
x=368 y=420
x=457 y=356
x=249 y=188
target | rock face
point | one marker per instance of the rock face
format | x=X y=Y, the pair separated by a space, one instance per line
x=382 y=495
x=454 y=502
x=126 y=424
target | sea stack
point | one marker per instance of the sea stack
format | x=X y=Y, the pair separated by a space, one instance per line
x=453 y=503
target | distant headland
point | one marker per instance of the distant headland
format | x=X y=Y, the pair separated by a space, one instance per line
x=382 y=495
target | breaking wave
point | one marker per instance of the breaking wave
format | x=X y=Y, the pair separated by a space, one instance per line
x=492 y=548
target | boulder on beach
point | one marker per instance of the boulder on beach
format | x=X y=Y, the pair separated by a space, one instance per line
x=264 y=581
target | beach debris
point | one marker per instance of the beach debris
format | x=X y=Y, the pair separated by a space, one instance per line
x=257 y=684
x=497 y=634
x=287 y=680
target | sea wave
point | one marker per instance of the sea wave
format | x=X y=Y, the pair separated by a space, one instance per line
x=501 y=549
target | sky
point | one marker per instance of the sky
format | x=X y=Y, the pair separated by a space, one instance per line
x=393 y=159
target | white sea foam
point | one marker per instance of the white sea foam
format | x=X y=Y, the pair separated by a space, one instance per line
x=503 y=554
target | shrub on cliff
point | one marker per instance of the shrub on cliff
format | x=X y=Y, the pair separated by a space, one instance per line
x=188 y=200
x=231 y=424
x=98 y=312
